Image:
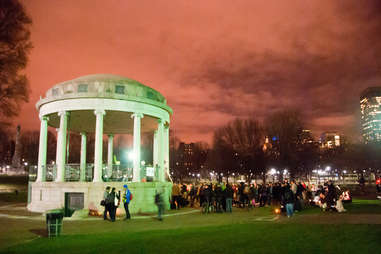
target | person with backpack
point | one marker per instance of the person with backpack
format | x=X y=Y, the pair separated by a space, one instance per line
x=229 y=198
x=104 y=203
x=160 y=205
x=127 y=197
x=109 y=204
x=192 y=195
x=289 y=200
x=115 y=203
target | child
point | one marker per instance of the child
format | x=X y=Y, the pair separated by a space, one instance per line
x=339 y=205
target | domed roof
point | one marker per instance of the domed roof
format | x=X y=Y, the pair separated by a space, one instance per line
x=103 y=77
x=105 y=86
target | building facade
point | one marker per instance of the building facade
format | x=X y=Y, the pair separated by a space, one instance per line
x=330 y=140
x=370 y=104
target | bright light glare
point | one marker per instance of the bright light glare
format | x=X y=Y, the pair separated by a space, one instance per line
x=131 y=156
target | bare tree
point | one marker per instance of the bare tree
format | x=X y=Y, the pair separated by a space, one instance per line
x=30 y=145
x=237 y=147
x=14 y=48
x=284 y=129
x=5 y=143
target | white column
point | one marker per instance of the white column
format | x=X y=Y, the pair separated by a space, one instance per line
x=61 y=146
x=166 y=151
x=160 y=150
x=83 y=157
x=137 y=123
x=155 y=149
x=110 y=154
x=98 y=146
x=41 y=168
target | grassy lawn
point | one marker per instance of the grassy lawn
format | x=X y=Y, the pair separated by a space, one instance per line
x=234 y=238
x=244 y=231
x=310 y=231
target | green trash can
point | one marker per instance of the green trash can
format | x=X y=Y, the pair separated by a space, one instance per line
x=54 y=223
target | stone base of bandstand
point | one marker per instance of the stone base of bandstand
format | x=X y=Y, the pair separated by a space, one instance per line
x=45 y=196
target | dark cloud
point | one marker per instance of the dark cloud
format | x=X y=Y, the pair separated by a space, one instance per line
x=321 y=70
x=218 y=59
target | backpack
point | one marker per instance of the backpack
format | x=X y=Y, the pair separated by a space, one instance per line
x=124 y=199
x=110 y=198
x=288 y=196
x=157 y=198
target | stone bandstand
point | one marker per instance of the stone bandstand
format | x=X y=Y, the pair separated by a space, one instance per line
x=102 y=105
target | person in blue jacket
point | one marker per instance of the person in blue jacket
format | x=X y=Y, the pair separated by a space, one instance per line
x=126 y=201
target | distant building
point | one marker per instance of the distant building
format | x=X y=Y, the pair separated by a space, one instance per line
x=189 y=159
x=305 y=137
x=185 y=156
x=330 y=140
x=370 y=103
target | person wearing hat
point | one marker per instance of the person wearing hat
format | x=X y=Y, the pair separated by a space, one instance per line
x=127 y=196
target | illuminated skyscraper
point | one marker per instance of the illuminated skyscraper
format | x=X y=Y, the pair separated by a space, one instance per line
x=370 y=103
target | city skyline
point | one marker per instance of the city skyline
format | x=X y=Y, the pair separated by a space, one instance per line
x=213 y=65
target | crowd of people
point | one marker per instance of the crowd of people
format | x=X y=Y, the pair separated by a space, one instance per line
x=289 y=196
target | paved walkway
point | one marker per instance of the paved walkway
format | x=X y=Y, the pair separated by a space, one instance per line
x=4 y=213
x=18 y=207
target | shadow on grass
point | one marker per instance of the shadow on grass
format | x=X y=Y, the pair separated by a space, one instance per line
x=12 y=197
x=40 y=232
x=364 y=206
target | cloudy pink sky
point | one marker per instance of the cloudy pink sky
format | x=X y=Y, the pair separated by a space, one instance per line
x=215 y=60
